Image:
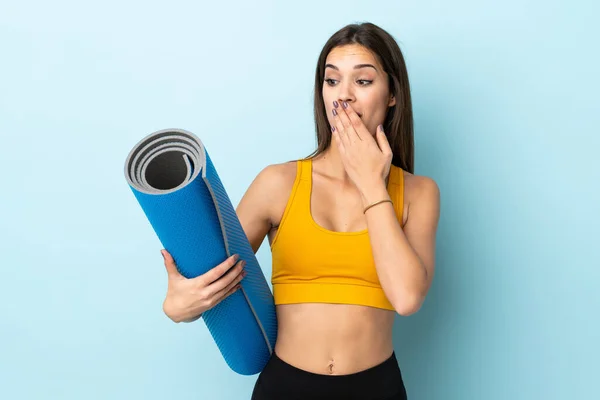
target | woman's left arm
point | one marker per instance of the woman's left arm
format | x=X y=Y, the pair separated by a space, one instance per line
x=404 y=256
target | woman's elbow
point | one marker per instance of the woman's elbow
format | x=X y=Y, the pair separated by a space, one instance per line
x=408 y=304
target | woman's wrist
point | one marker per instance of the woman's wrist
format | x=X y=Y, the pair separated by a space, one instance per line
x=375 y=192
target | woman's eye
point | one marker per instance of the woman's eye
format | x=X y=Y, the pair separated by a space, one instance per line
x=361 y=82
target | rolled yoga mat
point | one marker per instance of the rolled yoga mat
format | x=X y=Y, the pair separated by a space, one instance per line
x=179 y=190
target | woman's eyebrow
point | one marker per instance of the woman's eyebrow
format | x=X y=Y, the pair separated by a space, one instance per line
x=358 y=66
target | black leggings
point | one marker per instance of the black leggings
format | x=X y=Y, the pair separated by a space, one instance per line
x=282 y=381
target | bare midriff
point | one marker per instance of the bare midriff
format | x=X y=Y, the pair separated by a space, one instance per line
x=333 y=339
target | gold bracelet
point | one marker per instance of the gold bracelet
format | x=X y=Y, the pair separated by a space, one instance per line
x=377 y=202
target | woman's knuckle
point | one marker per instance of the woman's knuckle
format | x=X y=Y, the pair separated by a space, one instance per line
x=203 y=295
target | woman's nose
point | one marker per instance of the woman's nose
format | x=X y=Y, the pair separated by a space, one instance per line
x=345 y=93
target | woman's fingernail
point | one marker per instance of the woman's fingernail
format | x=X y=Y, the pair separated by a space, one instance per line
x=332 y=128
x=162 y=253
x=335 y=104
x=345 y=105
x=334 y=112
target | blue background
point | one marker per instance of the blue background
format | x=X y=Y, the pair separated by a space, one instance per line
x=506 y=121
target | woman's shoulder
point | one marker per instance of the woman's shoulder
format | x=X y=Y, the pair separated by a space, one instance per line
x=271 y=189
x=274 y=182
x=419 y=183
x=278 y=175
x=422 y=190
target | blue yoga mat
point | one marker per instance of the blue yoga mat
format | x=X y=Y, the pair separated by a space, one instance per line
x=179 y=190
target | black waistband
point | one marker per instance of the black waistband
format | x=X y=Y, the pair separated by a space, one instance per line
x=283 y=379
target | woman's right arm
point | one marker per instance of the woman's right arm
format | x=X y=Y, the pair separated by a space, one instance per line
x=257 y=209
x=187 y=299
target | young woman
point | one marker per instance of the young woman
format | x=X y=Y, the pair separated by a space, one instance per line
x=352 y=233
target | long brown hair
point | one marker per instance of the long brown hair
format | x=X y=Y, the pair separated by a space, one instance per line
x=398 y=124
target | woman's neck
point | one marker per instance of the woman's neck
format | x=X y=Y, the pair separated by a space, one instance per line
x=330 y=164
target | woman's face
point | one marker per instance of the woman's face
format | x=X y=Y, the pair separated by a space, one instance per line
x=353 y=74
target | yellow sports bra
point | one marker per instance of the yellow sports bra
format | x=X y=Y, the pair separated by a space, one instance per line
x=313 y=264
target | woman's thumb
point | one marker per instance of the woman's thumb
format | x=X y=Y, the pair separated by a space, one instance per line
x=170 y=266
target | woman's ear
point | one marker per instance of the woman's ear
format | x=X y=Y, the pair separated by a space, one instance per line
x=392 y=101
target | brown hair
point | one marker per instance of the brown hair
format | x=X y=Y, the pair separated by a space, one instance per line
x=398 y=124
